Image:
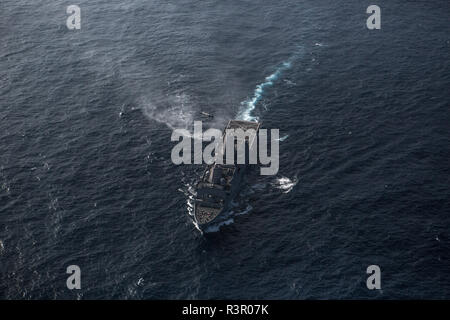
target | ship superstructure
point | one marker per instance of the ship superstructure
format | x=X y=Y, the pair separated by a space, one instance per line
x=220 y=183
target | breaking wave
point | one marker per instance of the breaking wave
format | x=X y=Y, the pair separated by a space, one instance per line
x=245 y=211
x=216 y=227
x=228 y=219
x=285 y=184
x=283 y=138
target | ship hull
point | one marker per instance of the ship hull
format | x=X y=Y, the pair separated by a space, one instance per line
x=220 y=183
x=222 y=216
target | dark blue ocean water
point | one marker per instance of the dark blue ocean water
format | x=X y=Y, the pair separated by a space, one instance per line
x=86 y=176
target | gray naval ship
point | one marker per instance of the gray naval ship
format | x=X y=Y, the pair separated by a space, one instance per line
x=220 y=183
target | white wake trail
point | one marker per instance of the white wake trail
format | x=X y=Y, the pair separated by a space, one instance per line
x=249 y=105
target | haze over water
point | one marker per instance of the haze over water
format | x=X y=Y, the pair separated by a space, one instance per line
x=86 y=176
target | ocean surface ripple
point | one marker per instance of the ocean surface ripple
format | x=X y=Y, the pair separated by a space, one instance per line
x=86 y=176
